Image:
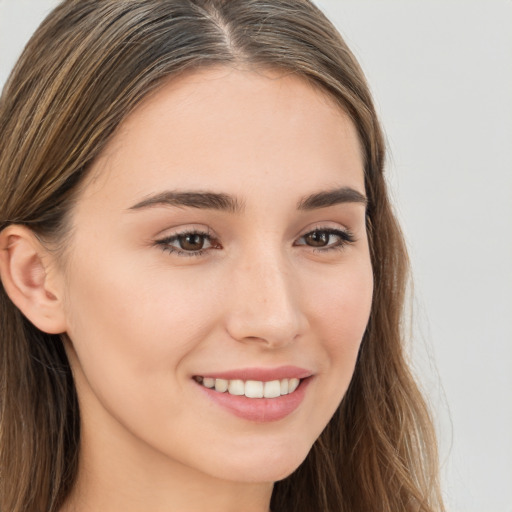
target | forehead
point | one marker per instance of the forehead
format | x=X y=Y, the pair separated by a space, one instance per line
x=224 y=127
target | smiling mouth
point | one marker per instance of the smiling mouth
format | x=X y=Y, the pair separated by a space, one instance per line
x=250 y=388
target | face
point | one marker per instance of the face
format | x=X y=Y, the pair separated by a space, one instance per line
x=220 y=237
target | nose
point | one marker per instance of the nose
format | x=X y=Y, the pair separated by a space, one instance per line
x=265 y=302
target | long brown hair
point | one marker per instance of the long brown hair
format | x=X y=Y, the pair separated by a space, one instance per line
x=86 y=67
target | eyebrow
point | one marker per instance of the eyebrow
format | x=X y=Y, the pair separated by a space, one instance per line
x=226 y=202
x=202 y=200
x=330 y=198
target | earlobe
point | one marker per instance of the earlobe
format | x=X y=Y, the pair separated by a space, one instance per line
x=24 y=270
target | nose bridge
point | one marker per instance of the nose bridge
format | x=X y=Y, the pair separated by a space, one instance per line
x=265 y=303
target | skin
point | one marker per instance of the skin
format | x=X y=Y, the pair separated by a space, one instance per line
x=142 y=321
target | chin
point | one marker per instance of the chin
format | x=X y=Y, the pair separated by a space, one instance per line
x=265 y=466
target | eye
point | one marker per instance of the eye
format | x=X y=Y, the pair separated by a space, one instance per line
x=189 y=243
x=325 y=239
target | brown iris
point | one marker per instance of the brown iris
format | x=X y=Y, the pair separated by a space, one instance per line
x=191 y=241
x=317 y=238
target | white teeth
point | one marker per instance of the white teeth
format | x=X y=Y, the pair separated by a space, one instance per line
x=272 y=389
x=236 y=387
x=221 y=385
x=251 y=388
x=254 y=389
x=292 y=385
x=208 y=382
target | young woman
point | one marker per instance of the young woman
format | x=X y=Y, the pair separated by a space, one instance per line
x=202 y=279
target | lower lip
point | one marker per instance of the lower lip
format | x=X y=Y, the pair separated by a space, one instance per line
x=260 y=410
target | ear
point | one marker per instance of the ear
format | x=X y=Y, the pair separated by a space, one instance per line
x=30 y=278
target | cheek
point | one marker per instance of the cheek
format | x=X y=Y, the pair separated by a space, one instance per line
x=341 y=306
x=132 y=333
x=134 y=329
x=342 y=303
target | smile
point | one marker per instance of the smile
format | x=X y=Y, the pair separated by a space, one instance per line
x=250 y=388
x=257 y=394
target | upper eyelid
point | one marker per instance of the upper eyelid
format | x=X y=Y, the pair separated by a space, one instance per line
x=190 y=232
x=185 y=231
x=329 y=228
x=326 y=229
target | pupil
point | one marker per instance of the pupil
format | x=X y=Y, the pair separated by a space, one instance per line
x=318 y=238
x=192 y=242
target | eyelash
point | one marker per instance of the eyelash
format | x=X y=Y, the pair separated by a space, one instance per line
x=166 y=247
x=346 y=237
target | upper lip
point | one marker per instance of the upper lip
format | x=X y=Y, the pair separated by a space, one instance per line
x=261 y=374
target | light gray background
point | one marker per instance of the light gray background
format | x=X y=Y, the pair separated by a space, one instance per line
x=441 y=73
